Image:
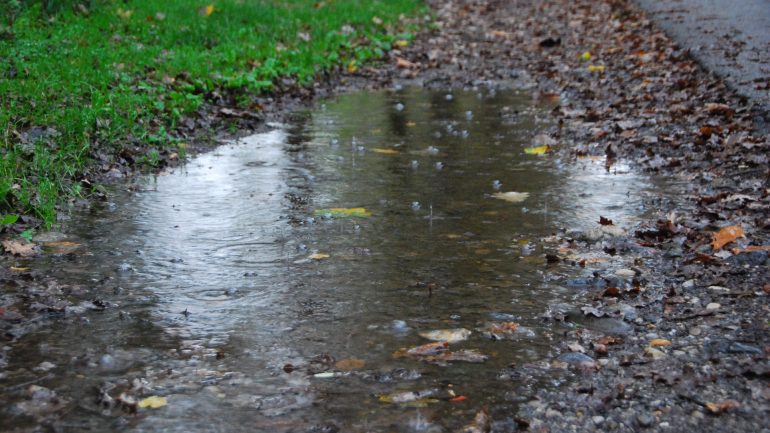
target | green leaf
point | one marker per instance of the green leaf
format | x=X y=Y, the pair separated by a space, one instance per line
x=9 y=219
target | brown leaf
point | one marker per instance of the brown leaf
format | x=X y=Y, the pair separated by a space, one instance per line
x=727 y=235
x=349 y=364
x=751 y=249
x=20 y=248
x=605 y=221
x=720 y=408
x=402 y=63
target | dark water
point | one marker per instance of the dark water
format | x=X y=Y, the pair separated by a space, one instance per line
x=213 y=289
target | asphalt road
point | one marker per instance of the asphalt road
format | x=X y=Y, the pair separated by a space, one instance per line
x=728 y=37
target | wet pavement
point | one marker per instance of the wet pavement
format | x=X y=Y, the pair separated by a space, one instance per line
x=728 y=38
x=277 y=283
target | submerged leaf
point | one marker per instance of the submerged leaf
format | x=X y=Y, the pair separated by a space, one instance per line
x=511 y=196
x=539 y=150
x=349 y=364
x=319 y=256
x=153 y=402
x=340 y=212
x=448 y=335
x=429 y=349
x=385 y=151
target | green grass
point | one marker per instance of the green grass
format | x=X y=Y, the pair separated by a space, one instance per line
x=109 y=77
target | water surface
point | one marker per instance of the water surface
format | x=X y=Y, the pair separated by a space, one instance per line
x=234 y=294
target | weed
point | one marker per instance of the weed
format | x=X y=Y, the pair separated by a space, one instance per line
x=107 y=77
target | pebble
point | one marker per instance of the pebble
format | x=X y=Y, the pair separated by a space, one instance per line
x=598 y=419
x=713 y=306
x=645 y=420
x=689 y=284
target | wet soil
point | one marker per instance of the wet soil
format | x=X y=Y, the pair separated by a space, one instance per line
x=696 y=356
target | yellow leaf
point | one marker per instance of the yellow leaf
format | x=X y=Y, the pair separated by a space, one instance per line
x=401 y=43
x=125 y=13
x=659 y=342
x=727 y=235
x=319 y=256
x=153 y=402
x=352 y=68
x=539 y=150
x=207 y=10
x=410 y=124
x=385 y=151
x=511 y=196
x=341 y=212
x=586 y=56
x=19 y=269
x=596 y=68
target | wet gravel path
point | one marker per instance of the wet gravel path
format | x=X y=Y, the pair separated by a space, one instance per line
x=693 y=354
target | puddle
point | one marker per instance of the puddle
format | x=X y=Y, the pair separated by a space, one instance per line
x=234 y=290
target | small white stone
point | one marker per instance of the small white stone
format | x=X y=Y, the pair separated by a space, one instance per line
x=598 y=419
x=713 y=306
x=689 y=284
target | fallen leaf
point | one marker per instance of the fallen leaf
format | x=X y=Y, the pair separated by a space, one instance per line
x=352 y=67
x=659 y=342
x=598 y=69
x=20 y=248
x=153 y=402
x=206 y=11
x=124 y=13
x=401 y=43
x=720 y=408
x=605 y=221
x=61 y=247
x=407 y=396
x=751 y=249
x=481 y=423
x=341 y=212
x=349 y=364
x=726 y=235
x=539 y=150
x=425 y=349
x=586 y=56
x=448 y=335
x=386 y=151
x=460 y=356
x=402 y=63
x=458 y=399
x=511 y=196
x=319 y=256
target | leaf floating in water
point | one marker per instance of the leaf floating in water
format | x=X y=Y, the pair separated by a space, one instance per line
x=319 y=256
x=511 y=196
x=153 y=402
x=727 y=235
x=387 y=151
x=539 y=150
x=448 y=335
x=342 y=212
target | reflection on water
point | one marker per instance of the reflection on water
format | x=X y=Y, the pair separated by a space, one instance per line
x=251 y=311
